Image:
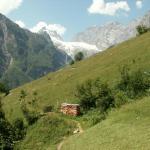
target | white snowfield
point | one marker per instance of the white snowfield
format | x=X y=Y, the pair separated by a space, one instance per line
x=72 y=48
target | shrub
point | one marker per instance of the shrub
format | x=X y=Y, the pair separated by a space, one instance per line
x=4 y=89
x=141 y=29
x=79 y=56
x=140 y=83
x=94 y=93
x=30 y=116
x=47 y=109
x=86 y=96
x=7 y=135
x=23 y=95
x=105 y=99
x=71 y=62
x=19 y=129
x=134 y=84
x=120 y=98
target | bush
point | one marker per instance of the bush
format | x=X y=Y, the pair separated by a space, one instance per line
x=120 y=98
x=105 y=99
x=23 y=95
x=71 y=62
x=19 y=128
x=95 y=94
x=47 y=109
x=85 y=95
x=141 y=29
x=7 y=134
x=134 y=84
x=30 y=116
x=4 y=89
x=79 y=56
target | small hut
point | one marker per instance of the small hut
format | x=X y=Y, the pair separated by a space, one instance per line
x=70 y=109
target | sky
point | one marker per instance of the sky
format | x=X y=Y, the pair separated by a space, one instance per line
x=68 y=17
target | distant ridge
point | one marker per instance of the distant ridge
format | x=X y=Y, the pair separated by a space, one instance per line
x=111 y=33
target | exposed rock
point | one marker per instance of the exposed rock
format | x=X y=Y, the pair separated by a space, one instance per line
x=112 y=33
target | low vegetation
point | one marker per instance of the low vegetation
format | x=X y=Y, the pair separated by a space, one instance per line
x=124 y=128
x=96 y=95
x=47 y=133
x=101 y=88
x=10 y=133
x=141 y=29
x=78 y=57
x=4 y=89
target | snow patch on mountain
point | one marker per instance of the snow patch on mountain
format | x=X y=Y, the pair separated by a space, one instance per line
x=71 y=48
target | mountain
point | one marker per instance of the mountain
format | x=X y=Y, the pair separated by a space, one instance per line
x=111 y=33
x=59 y=87
x=71 y=48
x=25 y=56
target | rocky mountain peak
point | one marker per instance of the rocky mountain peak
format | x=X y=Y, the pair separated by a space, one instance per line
x=111 y=33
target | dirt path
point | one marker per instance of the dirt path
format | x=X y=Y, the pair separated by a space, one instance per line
x=80 y=128
x=60 y=145
x=80 y=131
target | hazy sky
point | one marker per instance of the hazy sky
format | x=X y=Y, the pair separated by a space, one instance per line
x=69 y=17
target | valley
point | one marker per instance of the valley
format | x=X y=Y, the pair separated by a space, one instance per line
x=89 y=93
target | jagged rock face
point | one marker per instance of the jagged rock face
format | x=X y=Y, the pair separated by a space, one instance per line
x=25 y=56
x=112 y=33
x=104 y=36
x=145 y=20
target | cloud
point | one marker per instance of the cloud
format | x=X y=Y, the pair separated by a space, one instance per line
x=139 y=4
x=6 y=6
x=50 y=27
x=108 y=8
x=20 y=23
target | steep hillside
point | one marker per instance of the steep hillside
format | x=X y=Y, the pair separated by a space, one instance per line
x=25 y=56
x=60 y=86
x=47 y=133
x=127 y=128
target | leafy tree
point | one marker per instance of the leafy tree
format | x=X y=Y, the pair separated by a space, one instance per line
x=141 y=29
x=133 y=83
x=19 y=128
x=4 y=89
x=30 y=116
x=95 y=94
x=72 y=62
x=7 y=135
x=105 y=99
x=79 y=56
x=139 y=83
x=85 y=95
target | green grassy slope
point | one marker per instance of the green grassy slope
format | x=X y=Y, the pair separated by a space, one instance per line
x=47 y=133
x=124 y=129
x=60 y=86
